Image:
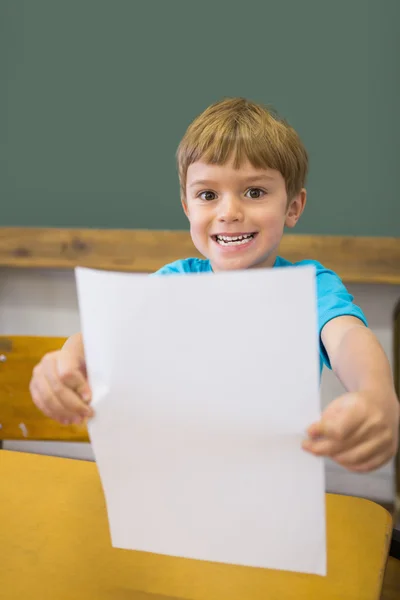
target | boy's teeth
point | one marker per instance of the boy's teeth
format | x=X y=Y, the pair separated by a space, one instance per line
x=234 y=239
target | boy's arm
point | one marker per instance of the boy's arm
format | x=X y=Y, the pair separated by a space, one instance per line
x=359 y=429
x=356 y=356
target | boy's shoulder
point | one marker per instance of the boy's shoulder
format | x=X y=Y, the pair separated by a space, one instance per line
x=282 y=262
x=327 y=280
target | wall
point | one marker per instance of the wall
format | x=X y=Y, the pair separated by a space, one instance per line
x=44 y=302
x=96 y=95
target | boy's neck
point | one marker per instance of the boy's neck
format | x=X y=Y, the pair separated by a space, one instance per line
x=268 y=263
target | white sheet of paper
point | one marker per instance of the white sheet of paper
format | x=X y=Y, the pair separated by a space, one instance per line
x=203 y=388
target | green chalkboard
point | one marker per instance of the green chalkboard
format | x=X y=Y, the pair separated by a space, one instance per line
x=96 y=94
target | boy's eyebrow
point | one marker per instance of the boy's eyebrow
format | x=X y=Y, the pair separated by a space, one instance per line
x=251 y=179
x=259 y=178
x=201 y=182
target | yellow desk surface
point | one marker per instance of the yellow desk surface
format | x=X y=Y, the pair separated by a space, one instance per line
x=55 y=544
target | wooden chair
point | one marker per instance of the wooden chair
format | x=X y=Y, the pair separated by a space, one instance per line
x=20 y=420
x=19 y=417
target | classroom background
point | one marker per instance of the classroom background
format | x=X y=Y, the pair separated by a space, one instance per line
x=95 y=96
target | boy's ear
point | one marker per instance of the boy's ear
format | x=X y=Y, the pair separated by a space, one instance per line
x=295 y=208
x=184 y=206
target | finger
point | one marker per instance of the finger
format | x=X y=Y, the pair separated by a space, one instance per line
x=317 y=429
x=321 y=447
x=340 y=419
x=45 y=401
x=71 y=402
x=38 y=399
x=366 y=452
x=326 y=446
x=73 y=375
x=370 y=465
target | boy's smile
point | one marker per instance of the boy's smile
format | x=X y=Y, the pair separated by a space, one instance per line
x=237 y=216
x=231 y=243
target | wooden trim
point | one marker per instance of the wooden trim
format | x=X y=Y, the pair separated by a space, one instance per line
x=355 y=259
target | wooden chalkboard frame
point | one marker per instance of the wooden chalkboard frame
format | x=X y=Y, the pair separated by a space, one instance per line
x=355 y=259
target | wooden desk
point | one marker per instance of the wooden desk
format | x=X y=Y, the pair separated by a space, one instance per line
x=55 y=544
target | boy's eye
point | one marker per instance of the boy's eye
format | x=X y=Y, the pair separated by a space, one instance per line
x=207 y=195
x=255 y=193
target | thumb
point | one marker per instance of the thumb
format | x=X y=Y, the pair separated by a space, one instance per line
x=338 y=419
x=72 y=372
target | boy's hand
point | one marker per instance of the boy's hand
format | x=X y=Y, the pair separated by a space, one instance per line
x=357 y=430
x=59 y=387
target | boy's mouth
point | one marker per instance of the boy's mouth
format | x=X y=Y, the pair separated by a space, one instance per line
x=234 y=240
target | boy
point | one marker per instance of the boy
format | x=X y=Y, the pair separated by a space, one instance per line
x=242 y=173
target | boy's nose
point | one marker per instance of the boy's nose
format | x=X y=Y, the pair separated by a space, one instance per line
x=230 y=210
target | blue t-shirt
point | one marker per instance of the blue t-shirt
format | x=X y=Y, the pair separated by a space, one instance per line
x=333 y=299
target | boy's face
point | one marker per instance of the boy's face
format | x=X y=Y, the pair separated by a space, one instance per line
x=237 y=216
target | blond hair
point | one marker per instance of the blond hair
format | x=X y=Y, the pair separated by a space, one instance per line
x=245 y=130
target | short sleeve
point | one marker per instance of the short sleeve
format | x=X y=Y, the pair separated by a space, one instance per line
x=185 y=266
x=333 y=301
x=170 y=269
